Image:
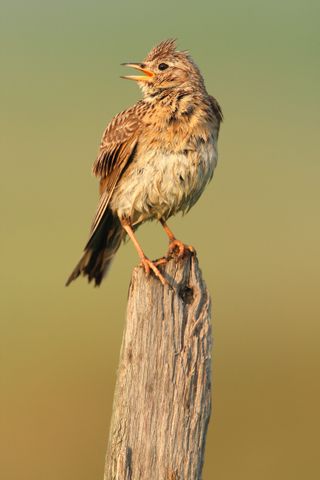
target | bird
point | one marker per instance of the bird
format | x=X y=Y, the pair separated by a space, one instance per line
x=155 y=159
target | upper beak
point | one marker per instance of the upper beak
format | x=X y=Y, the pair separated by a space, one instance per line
x=142 y=68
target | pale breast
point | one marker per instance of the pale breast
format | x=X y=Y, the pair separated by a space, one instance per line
x=159 y=184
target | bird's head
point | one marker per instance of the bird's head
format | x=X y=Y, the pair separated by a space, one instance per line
x=166 y=68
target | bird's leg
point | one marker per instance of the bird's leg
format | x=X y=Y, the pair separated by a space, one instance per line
x=175 y=246
x=146 y=263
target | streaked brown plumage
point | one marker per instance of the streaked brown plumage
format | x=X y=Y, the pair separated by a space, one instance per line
x=155 y=158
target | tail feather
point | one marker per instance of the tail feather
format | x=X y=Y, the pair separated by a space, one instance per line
x=100 y=250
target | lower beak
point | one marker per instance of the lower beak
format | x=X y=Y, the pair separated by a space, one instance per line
x=139 y=78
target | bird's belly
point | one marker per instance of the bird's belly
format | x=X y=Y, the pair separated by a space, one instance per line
x=158 y=185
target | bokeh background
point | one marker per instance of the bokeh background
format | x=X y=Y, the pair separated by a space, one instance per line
x=256 y=230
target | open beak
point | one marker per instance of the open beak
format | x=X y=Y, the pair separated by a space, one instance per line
x=141 y=68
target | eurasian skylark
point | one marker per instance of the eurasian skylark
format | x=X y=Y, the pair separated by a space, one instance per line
x=155 y=158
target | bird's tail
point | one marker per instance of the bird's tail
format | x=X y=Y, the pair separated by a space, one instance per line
x=100 y=250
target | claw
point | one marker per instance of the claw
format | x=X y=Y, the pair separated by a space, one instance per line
x=178 y=248
x=148 y=264
x=161 y=261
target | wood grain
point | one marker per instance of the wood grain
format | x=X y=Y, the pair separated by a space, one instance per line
x=162 y=398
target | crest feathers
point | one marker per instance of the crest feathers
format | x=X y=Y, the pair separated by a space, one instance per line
x=165 y=48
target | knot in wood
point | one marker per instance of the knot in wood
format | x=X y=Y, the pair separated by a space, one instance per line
x=186 y=294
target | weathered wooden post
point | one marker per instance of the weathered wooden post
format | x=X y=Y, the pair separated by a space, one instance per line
x=162 y=398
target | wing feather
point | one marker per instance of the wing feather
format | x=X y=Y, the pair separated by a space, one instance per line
x=118 y=133
x=117 y=149
x=109 y=184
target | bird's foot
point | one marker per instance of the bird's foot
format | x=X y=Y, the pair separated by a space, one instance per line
x=148 y=265
x=161 y=261
x=179 y=249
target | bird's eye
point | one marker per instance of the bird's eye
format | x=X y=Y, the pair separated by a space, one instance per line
x=163 y=66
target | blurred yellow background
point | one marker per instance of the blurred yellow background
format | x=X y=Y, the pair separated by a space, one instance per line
x=256 y=230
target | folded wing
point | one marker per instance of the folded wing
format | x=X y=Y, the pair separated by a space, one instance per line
x=117 y=150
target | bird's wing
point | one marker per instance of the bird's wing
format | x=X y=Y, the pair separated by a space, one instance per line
x=117 y=148
x=116 y=140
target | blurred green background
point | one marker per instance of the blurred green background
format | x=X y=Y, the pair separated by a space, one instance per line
x=256 y=230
